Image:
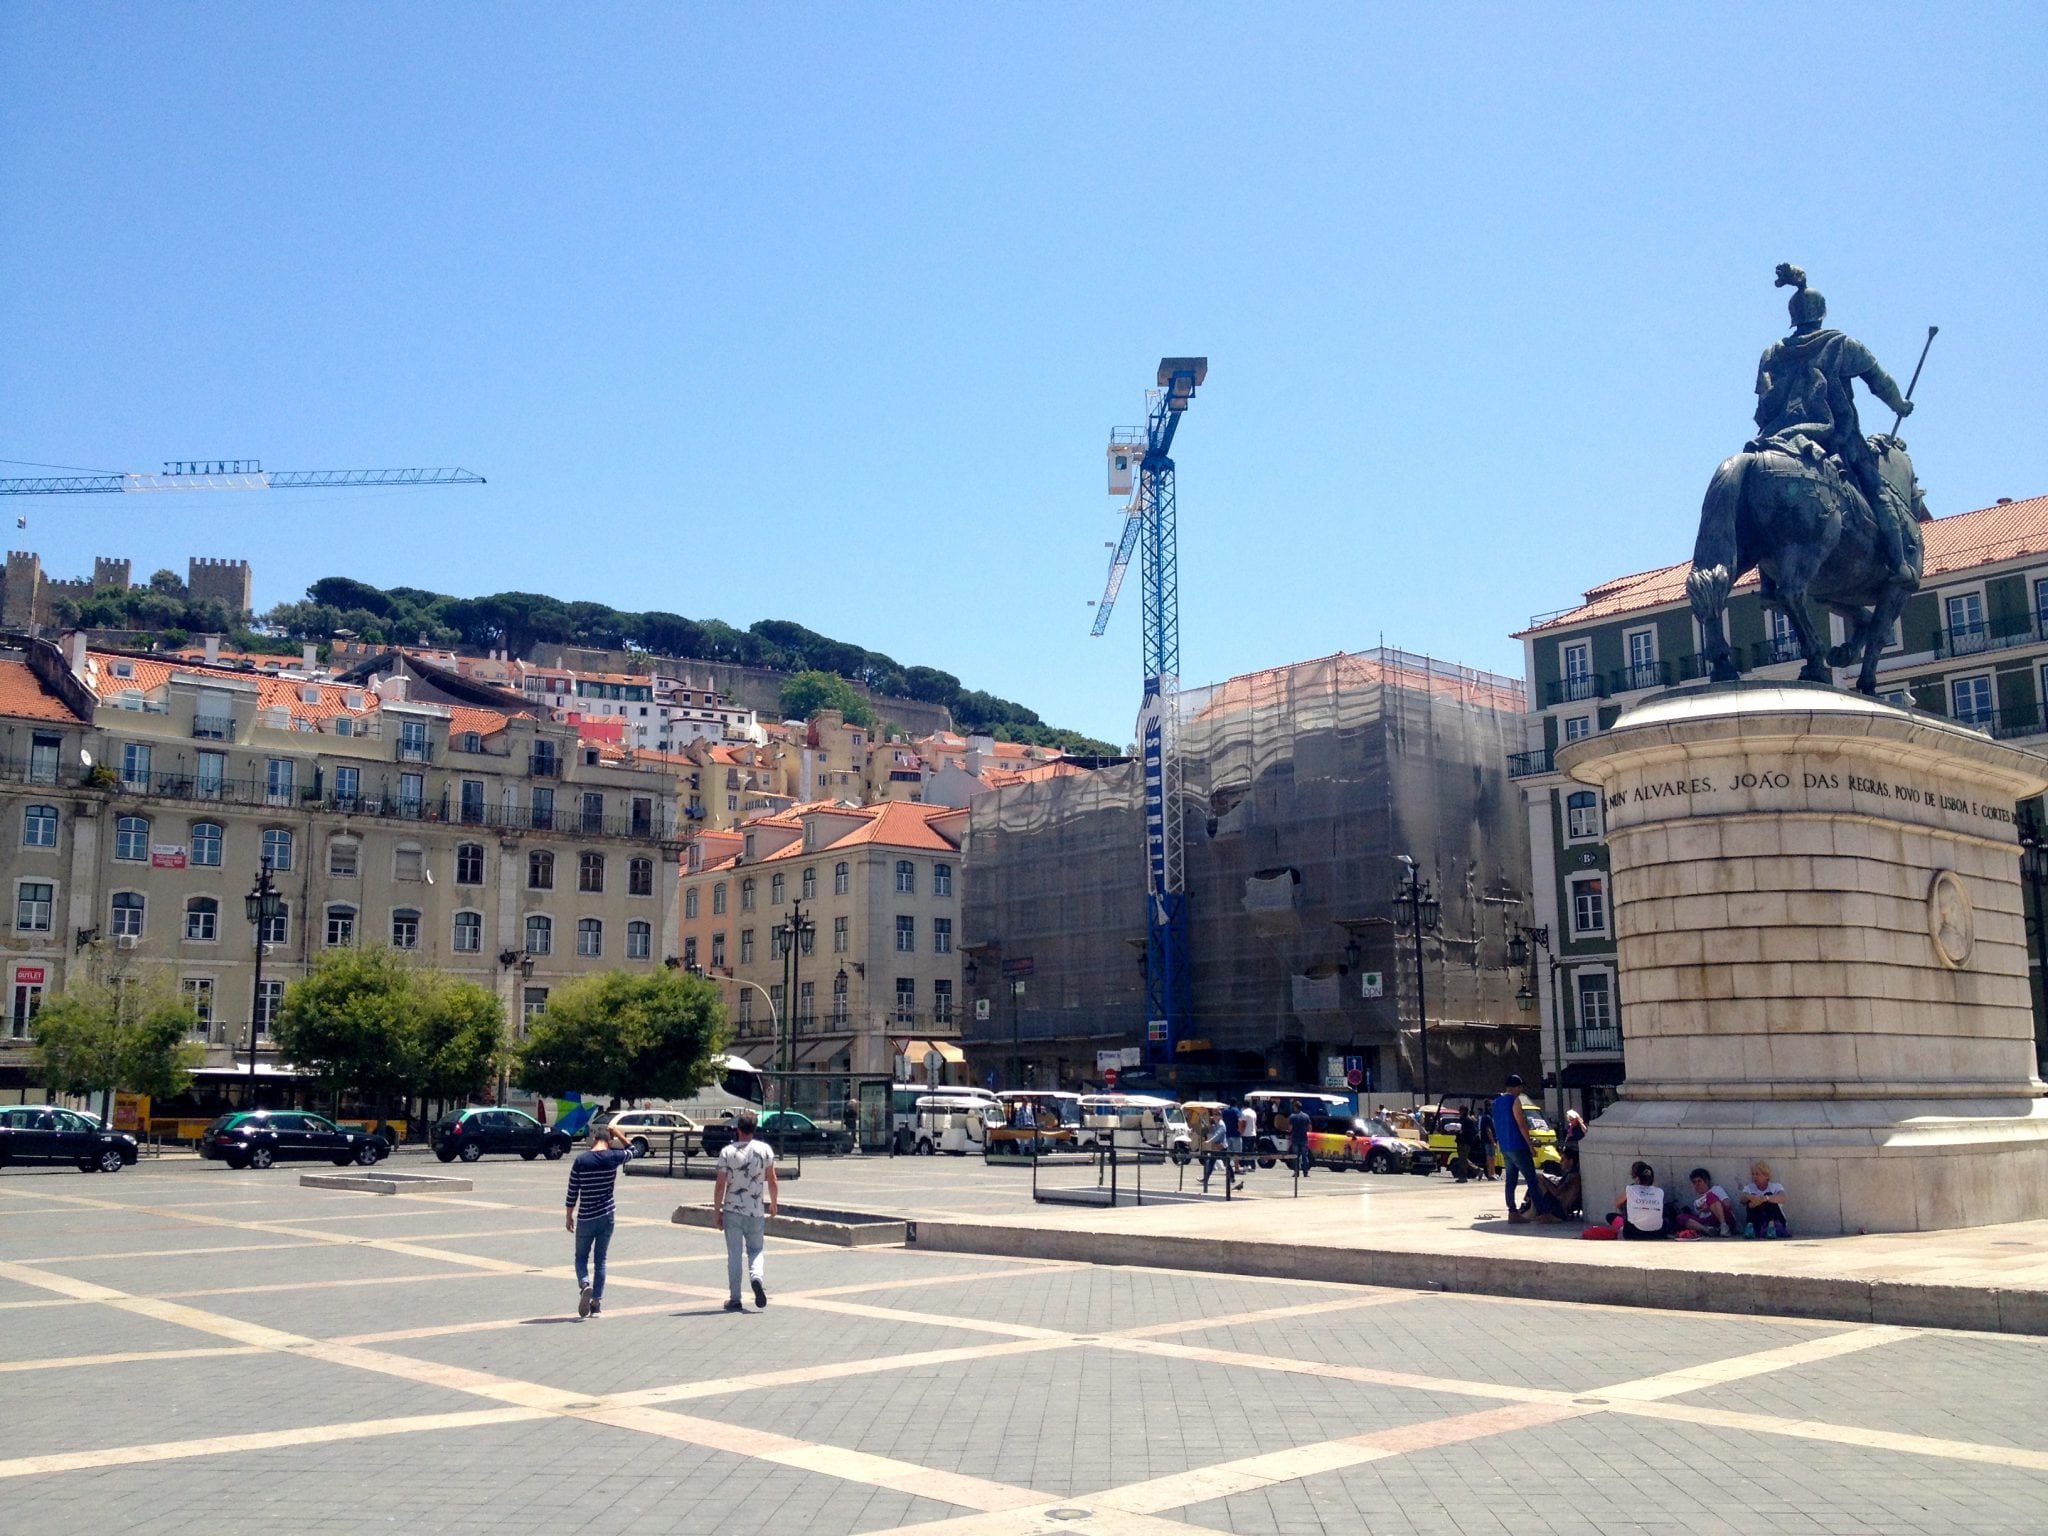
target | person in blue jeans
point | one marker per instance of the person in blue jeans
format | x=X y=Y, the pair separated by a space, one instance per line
x=592 y=1212
x=1297 y=1138
x=746 y=1195
x=1517 y=1148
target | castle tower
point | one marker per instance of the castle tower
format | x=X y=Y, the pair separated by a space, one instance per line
x=109 y=574
x=22 y=589
x=228 y=580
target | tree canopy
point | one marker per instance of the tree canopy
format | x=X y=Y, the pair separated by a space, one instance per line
x=808 y=692
x=624 y=1035
x=96 y=1036
x=368 y=1020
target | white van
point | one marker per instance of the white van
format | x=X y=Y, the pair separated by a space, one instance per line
x=956 y=1123
x=1138 y=1121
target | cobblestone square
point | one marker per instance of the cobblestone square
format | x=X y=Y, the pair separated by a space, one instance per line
x=183 y=1346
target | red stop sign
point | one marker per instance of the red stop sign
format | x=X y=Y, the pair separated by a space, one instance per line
x=1109 y=1077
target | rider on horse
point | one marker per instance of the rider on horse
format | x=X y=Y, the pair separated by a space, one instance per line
x=1803 y=390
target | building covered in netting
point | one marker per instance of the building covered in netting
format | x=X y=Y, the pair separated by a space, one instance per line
x=1302 y=785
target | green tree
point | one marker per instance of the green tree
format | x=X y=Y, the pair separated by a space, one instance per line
x=350 y=1022
x=624 y=1035
x=808 y=692
x=458 y=1040
x=99 y=1035
x=168 y=582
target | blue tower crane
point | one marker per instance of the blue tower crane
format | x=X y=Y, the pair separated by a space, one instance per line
x=1139 y=465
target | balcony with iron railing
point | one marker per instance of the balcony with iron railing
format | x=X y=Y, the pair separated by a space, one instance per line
x=213 y=727
x=1984 y=637
x=1526 y=765
x=1574 y=689
x=1769 y=653
x=1604 y=1038
x=1639 y=675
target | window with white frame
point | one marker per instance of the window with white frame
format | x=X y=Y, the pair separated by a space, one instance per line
x=540 y=934
x=532 y=1003
x=540 y=870
x=1971 y=699
x=1966 y=629
x=39 y=826
x=469 y=933
x=718 y=899
x=747 y=894
x=839 y=997
x=341 y=926
x=127 y=915
x=202 y=919
x=942 y=879
x=839 y=935
x=640 y=877
x=405 y=928
x=1581 y=815
x=942 y=1001
x=211 y=780
x=810 y=884
x=906 y=935
x=778 y=890
x=1589 y=904
x=206 y=844
x=131 y=839
x=717 y=949
x=746 y=946
x=639 y=940
x=1576 y=657
x=277 y=780
x=469 y=864
x=842 y=878
x=269 y=998
x=277 y=849
x=135 y=764
x=906 y=1000
x=590 y=873
x=28 y=1002
x=1596 y=1010
x=35 y=906
x=343 y=855
x=744 y=1009
x=942 y=935
x=690 y=902
x=1577 y=726
x=906 y=878
x=277 y=928
x=198 y=991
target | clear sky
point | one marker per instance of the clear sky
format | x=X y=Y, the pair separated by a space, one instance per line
x=823 y=313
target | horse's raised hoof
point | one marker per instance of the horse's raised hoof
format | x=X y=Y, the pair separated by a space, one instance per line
x=1817 y=672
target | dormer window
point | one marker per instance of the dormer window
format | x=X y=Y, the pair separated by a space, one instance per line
x=123 y=669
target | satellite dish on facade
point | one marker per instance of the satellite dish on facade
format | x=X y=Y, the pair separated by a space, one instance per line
x=85 y=757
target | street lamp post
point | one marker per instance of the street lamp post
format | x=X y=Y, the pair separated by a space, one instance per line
x=1522 y=957
x=1424 y=911
x=263 y=904
x=792 y=933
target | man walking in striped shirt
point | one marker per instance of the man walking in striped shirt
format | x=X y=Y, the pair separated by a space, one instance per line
x=592 y=1212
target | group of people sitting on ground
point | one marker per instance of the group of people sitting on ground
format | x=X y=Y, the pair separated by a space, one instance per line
x=1645 y=1210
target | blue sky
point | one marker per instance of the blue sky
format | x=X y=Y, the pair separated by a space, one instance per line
x=823 y=313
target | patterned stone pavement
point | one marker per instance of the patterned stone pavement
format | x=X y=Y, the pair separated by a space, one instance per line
x=182 y=1346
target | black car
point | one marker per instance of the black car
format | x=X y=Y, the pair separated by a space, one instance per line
x=473 y=1132
x=43 y=1133
x=786 y=1131
x=259 y=1137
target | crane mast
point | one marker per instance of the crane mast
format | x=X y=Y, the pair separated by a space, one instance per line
x=1140 y=463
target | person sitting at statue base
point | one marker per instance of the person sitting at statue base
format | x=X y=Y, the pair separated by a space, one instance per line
x=1643 y=1212
x=1763 y=1200
x=1560 y=1194
x=1710 y=1212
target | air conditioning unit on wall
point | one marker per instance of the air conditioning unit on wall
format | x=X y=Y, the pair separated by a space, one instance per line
x=126 y=940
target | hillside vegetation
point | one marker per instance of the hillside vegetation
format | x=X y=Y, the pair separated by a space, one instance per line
x=515 y=622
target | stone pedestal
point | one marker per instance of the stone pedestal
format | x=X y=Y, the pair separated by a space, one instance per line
x=1822 y=959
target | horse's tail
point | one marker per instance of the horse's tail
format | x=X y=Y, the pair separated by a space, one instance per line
x=1715 y=546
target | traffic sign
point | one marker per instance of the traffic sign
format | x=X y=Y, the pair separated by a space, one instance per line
x=1371 y=984
x=1355 y=1078
x=1109 y=1078
x=1155 y=1029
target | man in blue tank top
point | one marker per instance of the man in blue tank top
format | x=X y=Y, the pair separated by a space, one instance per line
x=1517 y=1149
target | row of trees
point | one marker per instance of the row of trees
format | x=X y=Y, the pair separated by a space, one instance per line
x=370 y=1024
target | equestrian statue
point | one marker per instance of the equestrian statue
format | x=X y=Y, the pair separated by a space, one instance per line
x=1817 y=509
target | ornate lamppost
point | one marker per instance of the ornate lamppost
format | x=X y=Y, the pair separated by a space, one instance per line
x=1424 y=911
x=264 y=905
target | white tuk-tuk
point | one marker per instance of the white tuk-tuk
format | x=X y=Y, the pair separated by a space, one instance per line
x=1138 y=1121
x=957 y=1123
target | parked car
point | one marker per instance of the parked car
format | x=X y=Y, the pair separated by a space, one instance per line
x=256 y=1138
x=786 y=1131
x=1341 y=1141
x=470 y=1133
x=43 y=1133
x=649 y=1130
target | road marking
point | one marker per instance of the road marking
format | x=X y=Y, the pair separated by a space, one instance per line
x=129 y=1358
x=1713 y=1373
x=222 y=1445
x=1838 y=1434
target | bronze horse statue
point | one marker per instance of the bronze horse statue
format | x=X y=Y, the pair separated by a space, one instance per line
x=1784 y=508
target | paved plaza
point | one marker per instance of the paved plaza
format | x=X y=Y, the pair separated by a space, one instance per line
x=185 y=1347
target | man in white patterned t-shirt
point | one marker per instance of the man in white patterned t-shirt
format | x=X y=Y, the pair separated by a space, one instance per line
x=746 y=1197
